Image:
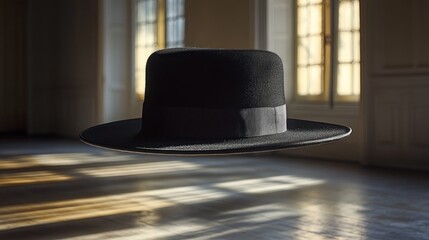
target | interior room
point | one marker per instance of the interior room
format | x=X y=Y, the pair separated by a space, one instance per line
x=71 y=64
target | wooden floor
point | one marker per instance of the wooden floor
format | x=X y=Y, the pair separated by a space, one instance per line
x=57 y=189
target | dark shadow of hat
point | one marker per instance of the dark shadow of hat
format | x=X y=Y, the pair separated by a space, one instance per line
x=212 y=101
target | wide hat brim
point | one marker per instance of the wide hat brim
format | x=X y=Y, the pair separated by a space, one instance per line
x=125 y=136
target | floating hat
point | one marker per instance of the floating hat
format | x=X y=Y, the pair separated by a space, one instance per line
x=212 y=101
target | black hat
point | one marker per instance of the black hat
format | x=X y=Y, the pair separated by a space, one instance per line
x=212 y=101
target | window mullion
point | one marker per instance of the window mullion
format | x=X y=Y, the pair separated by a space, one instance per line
x=331 y=47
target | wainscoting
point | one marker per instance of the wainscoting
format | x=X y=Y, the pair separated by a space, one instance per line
x=395 y=84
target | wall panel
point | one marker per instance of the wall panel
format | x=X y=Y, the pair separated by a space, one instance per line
x=13 y=67
x=63 y=66
x=395 y=84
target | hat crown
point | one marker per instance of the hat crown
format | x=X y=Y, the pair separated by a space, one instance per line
x=213 y=93
x=214 y=78
x=205 y=101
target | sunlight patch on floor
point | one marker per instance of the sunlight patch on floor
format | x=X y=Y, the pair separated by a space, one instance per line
x=147 y=200
x=10 y=179
x=139 y=169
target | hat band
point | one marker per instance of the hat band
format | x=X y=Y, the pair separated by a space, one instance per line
x=213 y=123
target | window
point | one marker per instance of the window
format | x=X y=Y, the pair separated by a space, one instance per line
x=158 y=24
x=175 y=23
x=328 y=50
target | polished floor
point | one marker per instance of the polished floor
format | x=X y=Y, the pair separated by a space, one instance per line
x=62 y=189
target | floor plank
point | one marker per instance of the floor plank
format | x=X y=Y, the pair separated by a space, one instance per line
x=62 y=189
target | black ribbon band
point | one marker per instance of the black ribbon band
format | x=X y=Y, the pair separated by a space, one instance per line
x=213 y=123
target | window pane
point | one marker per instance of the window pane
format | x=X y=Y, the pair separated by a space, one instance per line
x=348 y=82
x=314 y=19
x=150 y=34
x=315 y=49
x=310 y=50
x=181 y=7
x=145 y=40
x=305 y=2
x=356 y=79
x=170 y=35
x=345 y=79
x=302 y=21
x=315 y=79
x=345 y=19
x=309 y=19
x=140 y=52
x=146 y=11
x=310 y=80
x=301 y=2
x=349 y=15
x=140 y=83
x=303 y=52
x=356 y=16
x=175 y=23
x=302 y=81
x=169 y=9
x=175 y=32
x=356 y=46
x=139 y=37
x=345 y=47
x=348 y=69
x=151 y=11
x=140 y=11
x=181 y=29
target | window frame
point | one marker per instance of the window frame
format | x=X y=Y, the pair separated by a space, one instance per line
x=160 y=35
x=330 y=30
x=338 y=97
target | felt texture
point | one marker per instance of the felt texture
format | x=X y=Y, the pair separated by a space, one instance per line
x=197 y=93
x=186 y=89
x=214 y=78
x=208 y=123
x=124 y=135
